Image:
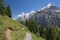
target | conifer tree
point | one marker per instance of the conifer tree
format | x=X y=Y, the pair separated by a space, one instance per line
x=51 y=33
x=2 y=8
x=8 y=11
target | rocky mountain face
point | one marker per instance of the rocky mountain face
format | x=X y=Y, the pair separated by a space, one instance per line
x=47 y=16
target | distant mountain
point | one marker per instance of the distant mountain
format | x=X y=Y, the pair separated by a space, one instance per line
x=23 y=16
x=46 y=16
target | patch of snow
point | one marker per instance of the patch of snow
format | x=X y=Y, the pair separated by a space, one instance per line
x=49 y=5
x=43 y=8
x=24 y=16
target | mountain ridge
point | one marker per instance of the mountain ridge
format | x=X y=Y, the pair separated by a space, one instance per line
x=47 y=16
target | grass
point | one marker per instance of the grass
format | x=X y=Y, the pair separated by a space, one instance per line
x=18 y=34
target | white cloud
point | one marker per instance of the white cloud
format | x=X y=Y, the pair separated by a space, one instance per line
x=21 y=14
x=14 y=18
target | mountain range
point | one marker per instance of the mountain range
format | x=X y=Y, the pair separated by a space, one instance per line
x=46 y=16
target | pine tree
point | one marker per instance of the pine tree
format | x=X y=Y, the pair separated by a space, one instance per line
x=58 y=36
x=2 y=8
x=42 y=31
x=8 y=11
x=32 y=25
x=1 y=3
x=51 y=33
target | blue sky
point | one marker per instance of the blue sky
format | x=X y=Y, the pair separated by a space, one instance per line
x=18 y=6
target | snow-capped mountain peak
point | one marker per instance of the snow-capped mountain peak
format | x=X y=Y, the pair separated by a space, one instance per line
x=49 y=5
x=48 y=16
x=44 y=17
x=23 y=16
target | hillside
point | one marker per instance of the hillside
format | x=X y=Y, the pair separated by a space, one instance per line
x=12 y=30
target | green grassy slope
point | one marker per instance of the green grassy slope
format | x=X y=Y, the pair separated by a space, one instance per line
x=17 y=34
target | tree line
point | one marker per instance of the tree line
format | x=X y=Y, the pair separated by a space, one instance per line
x=48 y=33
